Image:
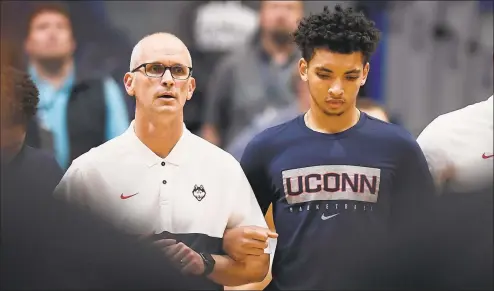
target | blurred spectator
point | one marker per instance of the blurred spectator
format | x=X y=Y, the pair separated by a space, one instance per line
x=372 y=108
x=81 y=112
x=102 y=49
x=212 y=29
x=256 y=77
x=273 y=117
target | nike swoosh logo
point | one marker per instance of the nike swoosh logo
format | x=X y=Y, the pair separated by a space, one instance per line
x=127 y=197
x=484 y=156
x=328 y=217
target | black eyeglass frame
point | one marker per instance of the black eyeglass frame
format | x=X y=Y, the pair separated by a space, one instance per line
x=164 y=71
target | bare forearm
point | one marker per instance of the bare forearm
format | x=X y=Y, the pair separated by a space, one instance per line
x=229 y=272
x=253 y=286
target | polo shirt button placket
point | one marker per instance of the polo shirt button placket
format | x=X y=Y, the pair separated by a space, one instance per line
x=163 y=164
x=165 y=202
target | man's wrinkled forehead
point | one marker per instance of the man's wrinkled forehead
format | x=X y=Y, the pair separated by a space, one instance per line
x=164 y=49
x=166 y=53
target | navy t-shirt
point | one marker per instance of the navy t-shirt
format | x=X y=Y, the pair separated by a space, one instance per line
x=330 y=188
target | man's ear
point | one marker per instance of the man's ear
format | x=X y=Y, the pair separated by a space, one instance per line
x=365 y=73
x=191 y=88
x=129 y=83
x=302 y=69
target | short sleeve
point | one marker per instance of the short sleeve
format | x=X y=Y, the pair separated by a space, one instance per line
x=253 y=164
x=414 y=186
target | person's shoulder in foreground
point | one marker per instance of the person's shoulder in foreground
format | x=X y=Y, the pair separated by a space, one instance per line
x=454 y=139
x=29 y=181
x=476 y=111
x=30 y=157
x=44 y=164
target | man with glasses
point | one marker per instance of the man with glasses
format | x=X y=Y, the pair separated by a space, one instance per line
x=161 y=181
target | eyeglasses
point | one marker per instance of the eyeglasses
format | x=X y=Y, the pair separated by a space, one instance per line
x=156 y=70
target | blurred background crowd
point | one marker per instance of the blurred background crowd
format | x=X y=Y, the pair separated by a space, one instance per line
x=434 y=57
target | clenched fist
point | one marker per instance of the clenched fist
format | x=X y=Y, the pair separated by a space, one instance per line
x=240 y=242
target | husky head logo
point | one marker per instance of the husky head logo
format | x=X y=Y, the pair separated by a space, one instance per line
x=199 y=192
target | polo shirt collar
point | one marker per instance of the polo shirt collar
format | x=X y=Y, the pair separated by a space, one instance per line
x=176 y=157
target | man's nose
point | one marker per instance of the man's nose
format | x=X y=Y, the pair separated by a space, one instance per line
x=53 y=35
x=336 y=89
x=167 y=79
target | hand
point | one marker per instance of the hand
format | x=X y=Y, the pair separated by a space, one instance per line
x=186 y=259
x=145 y=238
x=239 y=242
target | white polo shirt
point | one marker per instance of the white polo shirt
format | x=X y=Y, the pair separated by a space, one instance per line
x=197 y=189
x=458 y=147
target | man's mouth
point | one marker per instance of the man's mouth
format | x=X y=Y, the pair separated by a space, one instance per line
x=334 y=103
x=166 y=96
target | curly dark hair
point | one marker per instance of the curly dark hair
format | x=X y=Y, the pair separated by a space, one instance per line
x=17 y=91
x=342 y=31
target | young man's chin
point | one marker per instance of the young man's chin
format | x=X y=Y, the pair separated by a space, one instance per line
x=334 y=113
